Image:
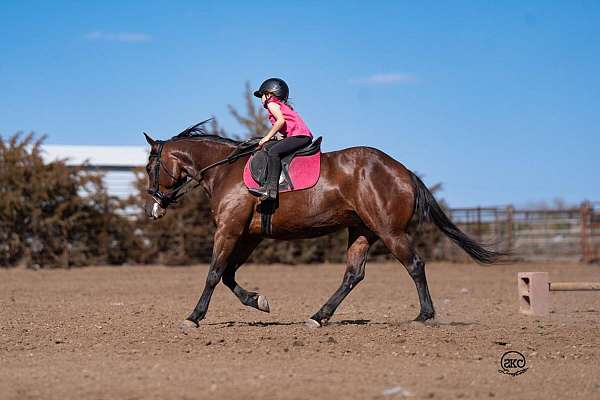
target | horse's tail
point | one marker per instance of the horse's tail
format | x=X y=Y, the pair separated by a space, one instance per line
x=428 y=209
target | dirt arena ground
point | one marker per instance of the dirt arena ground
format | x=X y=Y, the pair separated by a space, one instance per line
x=111 y=333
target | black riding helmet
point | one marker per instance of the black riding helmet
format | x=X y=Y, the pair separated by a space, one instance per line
x=277 y=87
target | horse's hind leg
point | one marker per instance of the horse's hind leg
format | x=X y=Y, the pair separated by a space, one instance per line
x=251 y=299
x=359 y=241
x=401 y=247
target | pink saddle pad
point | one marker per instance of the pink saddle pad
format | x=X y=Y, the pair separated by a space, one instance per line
x=304 y=172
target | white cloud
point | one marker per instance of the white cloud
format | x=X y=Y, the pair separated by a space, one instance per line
x=386 y=79
x=123 y=37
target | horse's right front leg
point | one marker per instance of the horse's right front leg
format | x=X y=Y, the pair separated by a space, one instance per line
x=223 y=248
x=245 y=248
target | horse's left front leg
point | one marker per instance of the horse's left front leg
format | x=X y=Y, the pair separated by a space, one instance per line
x=223 y=248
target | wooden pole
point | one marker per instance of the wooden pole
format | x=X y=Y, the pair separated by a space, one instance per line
x=509 y=226
x=585 y=232
x=479 y=223
x=568 y=286
x=534 y=291
x=494 y=229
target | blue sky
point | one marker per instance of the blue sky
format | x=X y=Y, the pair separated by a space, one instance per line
x=499 y=101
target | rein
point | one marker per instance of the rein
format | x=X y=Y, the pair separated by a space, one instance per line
x=164 y=199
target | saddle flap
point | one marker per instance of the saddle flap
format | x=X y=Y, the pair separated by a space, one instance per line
x=258 y=166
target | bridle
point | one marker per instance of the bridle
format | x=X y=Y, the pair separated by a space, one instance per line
x=164 y=199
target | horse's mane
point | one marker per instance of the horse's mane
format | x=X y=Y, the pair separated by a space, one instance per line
x=199 y=132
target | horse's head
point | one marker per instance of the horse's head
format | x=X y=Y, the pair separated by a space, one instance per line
x=166 y=176
x=174 y=163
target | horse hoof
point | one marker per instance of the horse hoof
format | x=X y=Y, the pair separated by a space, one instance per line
x=187 y=325
x=425 y=318
x=263 y=304
x=312 y=324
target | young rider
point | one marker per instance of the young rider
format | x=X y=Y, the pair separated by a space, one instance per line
x=274 y=95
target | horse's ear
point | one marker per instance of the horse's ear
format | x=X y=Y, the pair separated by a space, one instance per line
x=149 y=139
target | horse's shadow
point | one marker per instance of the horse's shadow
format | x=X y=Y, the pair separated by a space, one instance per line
x=351 y=322
x=262 y=324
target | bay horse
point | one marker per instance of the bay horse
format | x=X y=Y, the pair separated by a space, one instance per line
x=360 y=189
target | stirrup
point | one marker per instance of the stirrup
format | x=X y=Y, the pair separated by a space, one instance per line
x=259 y=192
x=272 y=193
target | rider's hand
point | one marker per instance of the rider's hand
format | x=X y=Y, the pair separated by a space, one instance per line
x=262 y=141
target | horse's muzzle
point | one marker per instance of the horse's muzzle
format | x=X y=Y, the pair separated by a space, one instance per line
x=154 y=210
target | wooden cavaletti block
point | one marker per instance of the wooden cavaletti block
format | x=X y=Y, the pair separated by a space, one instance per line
x=534 y=293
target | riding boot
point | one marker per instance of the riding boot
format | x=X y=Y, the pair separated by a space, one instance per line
x=270 y=189
x=274 y=171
